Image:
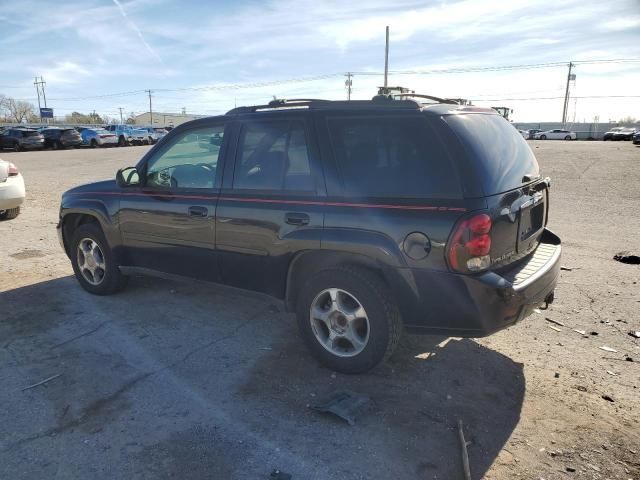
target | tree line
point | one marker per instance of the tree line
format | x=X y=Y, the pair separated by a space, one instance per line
x=19 y=111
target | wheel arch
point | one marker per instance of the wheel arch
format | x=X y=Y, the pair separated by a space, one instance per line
x=310 y=262
x=87 y=211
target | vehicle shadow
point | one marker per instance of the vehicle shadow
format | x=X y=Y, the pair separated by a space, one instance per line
x=241 y=354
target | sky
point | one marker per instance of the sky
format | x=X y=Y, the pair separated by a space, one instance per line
x=206 y=57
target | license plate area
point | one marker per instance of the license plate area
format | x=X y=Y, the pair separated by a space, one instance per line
x=531 y=224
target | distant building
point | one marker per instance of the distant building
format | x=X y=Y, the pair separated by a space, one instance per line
x=164 y=119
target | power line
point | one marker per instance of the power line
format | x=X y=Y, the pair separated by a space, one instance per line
x=549 y=98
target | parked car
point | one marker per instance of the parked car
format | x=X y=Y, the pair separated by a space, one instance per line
x=56 y=137
x=154 y=134
x=128 y=135
x=636 y=138
x=620 y=133
x=365 y=217
x=532 y=132
x=12 y=191
x=523 y=133
x=98 y=137
x=20 y=138
x=556 y=134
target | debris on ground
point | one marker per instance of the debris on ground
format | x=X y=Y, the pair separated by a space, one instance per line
x=569 y=269
x=557 y=322
x=608 y=349
x=465 y=455
x=635 y=333
x=554 y=328
x=608 y=398
x=581 y=332
x=612 y=373
x=344 y=404
x=594 y=333
x=53 y=377
x=280 y=475
x=627 y=257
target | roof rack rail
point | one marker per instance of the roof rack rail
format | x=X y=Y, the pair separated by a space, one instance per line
x=429 y=97
x=313 y=103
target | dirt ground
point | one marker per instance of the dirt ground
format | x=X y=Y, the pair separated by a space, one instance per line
x=188 y=380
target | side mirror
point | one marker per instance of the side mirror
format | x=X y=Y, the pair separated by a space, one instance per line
x=127 y=177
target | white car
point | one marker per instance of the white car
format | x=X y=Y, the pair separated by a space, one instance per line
x=11 y=190
x=556 y=134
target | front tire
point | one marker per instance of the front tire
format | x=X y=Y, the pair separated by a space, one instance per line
x=9 y=214
x=93 y=261
x=348 y=319
x=93 y=143
x=122 y=142
x=543 y=137
x=568 y=137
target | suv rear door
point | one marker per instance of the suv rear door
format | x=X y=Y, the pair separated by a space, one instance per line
x=268 y=208
x=393 y=187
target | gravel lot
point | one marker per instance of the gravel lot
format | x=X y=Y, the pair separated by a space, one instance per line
x=189 y=380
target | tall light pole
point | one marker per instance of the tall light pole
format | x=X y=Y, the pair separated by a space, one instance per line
x=386 y=59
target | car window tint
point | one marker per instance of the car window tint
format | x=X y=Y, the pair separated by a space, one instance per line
x=392 y=156
x=273 y=155
x=190 y=161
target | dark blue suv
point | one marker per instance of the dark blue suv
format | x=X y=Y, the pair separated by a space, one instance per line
x=366 y=217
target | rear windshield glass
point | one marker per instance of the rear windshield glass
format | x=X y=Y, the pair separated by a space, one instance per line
x=31 y=133
x=499 y=152
x=392 y=156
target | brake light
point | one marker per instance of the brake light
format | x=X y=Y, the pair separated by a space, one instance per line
x=13 y=170
x=470 y=244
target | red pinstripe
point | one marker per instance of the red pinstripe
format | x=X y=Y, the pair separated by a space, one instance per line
x=430 y=208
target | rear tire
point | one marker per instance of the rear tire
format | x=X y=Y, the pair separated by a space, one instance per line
x=9 y=214
x=543 y=137
x=93 y=261
x=377 y=328
x=568 y=137
x=122 y=142
x=93 y=143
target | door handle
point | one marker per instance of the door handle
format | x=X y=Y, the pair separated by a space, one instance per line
x=293 y=218
x=198 y=211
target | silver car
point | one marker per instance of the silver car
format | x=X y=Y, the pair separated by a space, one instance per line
x=98 y=137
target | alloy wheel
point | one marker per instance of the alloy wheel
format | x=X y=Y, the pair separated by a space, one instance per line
x=339 y=322
x=91 y=262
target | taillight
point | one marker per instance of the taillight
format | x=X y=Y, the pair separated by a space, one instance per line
x=470 y=244
x=13 y=170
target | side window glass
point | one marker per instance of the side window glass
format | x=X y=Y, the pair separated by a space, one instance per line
x=273 y=155
x=391 y=156
x=190 y=161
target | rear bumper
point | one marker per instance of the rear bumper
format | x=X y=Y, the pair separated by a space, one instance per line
x=450 y=304
x=12 y=193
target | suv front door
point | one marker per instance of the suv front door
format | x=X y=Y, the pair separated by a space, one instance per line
x=167 y=223
x=269 y=207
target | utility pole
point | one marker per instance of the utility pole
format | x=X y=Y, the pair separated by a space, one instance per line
x=40 y=85
x=121 y=121
x=37 y=85
x=386 y=59
x=150 y=108
x=566 y=94
x=348 y=83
